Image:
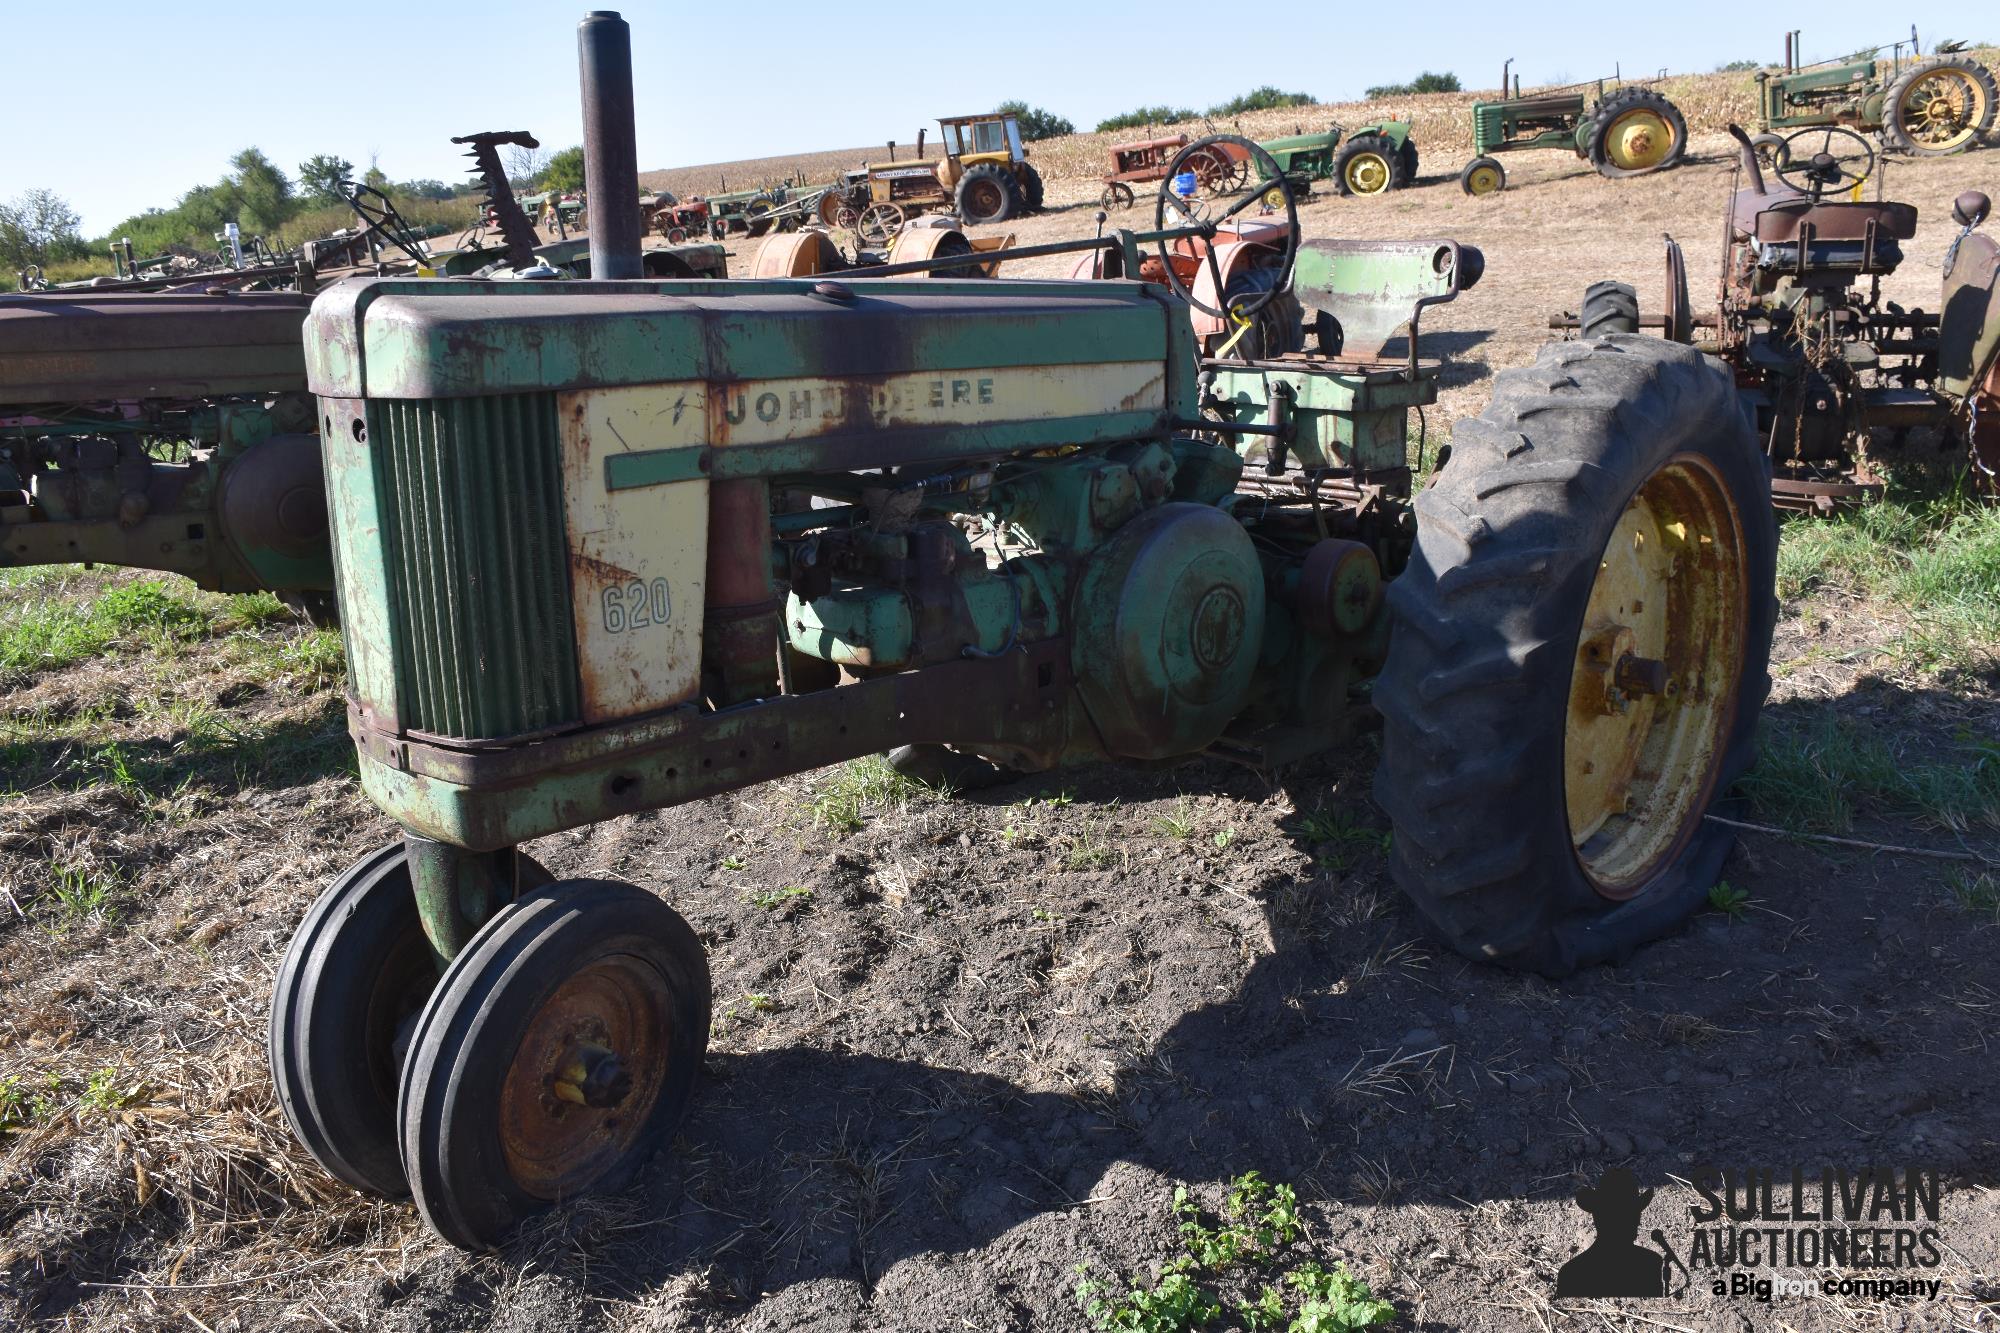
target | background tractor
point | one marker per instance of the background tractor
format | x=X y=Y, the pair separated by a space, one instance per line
x=166 y=430
x=754 y=529
x=1376 y=159
x=984 y=175
x=172 y=430
x=1924 y=107
x=1629 y=131
x=1835 y=378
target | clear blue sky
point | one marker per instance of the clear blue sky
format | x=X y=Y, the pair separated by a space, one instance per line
x=118 y=105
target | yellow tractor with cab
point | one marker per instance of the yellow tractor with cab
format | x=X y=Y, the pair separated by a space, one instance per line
x=984 y=176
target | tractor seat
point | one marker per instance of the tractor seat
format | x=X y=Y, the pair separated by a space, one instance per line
x=1859 y=236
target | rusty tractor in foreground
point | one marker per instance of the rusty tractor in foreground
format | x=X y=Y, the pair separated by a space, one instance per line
x=1836 y=378
x=611 y=548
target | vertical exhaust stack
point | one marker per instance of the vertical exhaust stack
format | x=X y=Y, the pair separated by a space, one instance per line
x=610 y=144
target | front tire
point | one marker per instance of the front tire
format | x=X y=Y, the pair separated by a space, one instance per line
x=1482 y=176
x=1608 y=307
x=358 y=971
x=1590 y=602
x=555 y=1057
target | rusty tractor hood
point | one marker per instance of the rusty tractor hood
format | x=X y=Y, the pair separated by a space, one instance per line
x=91 y=347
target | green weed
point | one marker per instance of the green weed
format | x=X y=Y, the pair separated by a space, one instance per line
x=770 y=900
x=317 y=659
x=1331 y=1301
x=105 y=1092
x=1340 y=839
x=860 y=787
x=1937 y=559
x=23 y=1106
x=1727 y=899
x=1814 y=777
x=1225 y=839
x=1085 y=850
x=1978 y=894
x=1179 y=825
x=734 y=862
x=1174 y=1302
x=83 y=895
x=56 y=631
x=1258 y=1225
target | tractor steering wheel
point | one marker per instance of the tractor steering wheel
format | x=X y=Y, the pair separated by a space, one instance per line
x=1828 y=167
x=375 y=209
x=1198 y=214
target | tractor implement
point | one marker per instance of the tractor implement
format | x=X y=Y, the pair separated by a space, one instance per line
x=605 y=547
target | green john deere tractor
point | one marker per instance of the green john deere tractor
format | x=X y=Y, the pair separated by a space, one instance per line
x=1373 y=160
x=1630 y=130
x=603 y=550
x=1924 y=107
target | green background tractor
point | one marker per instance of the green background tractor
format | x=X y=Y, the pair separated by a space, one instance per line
x=1375 y=159
x=1629 y=131
x=1925 y=107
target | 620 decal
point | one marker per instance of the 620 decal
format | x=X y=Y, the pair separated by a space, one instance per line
x=636 y=605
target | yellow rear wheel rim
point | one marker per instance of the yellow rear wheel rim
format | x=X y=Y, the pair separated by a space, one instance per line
x=1654 y=685
x=1639 y=139
x=1484 y=180
x=1941 y=109
x=1367 y=173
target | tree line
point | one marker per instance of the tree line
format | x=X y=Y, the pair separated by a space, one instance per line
x=39 y=227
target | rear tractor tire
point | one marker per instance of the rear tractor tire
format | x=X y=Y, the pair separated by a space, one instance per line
x=988 y=192
x=1939 y=107
x=1367 y=164
x=1635 y=131
x=1032 y=190
x=1578 y=657
x=1608 y=307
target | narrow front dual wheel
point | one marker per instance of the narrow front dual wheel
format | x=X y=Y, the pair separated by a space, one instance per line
x=556 y=1056
x=550 y=1060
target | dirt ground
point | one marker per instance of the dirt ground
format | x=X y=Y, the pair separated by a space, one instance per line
x=1000 y=1028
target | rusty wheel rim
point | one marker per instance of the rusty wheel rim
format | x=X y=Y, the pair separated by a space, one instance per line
x=1654 y=685
x=985 y=198
x=565 y=1116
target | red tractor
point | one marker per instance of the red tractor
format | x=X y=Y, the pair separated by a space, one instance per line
x=683 y=221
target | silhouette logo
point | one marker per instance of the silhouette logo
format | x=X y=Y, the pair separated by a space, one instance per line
x=1615 y=1264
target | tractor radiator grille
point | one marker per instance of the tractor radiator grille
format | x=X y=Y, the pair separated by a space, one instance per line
x=470 y=493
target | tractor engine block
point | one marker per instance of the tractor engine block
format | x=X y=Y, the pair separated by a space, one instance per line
x=635 y=543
